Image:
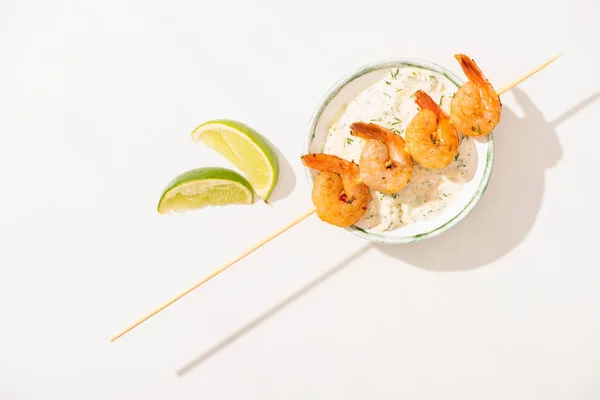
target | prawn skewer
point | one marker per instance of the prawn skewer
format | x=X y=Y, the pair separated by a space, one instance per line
x=430 y=137
x=384 y=163
x=285 y=228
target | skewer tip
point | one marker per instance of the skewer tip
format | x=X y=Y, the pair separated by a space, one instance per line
x=524 y=77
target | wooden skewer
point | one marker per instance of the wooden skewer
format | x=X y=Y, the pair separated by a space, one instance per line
x=527 y=75
x=288 y=226
x=219 y=270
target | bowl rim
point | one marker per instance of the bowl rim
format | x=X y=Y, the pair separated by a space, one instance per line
x=391 y=63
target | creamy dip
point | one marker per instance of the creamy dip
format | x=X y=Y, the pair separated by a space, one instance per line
x=389 y=103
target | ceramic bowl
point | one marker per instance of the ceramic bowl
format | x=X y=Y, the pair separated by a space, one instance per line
x=333 y=104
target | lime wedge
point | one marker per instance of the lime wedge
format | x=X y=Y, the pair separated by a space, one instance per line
x=245 y=148
x=204 y=187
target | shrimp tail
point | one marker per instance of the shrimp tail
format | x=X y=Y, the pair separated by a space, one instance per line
x=368 y=131
x=326 y=162
x=470 y=69
x=425 y=102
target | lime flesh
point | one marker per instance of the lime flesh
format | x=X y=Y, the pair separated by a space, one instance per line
x=203 y=187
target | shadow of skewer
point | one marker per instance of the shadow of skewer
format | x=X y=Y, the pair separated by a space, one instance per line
x=271 y=312
x=579 y=107
x=425 y=254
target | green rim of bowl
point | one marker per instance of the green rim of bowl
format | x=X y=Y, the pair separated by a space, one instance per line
x=395 y=63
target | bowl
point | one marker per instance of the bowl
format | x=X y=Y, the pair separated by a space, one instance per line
x=335 y=102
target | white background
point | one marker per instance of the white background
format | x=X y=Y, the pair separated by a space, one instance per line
x=97 y=101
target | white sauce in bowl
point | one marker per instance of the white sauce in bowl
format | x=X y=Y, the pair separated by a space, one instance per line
x=389 y=103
